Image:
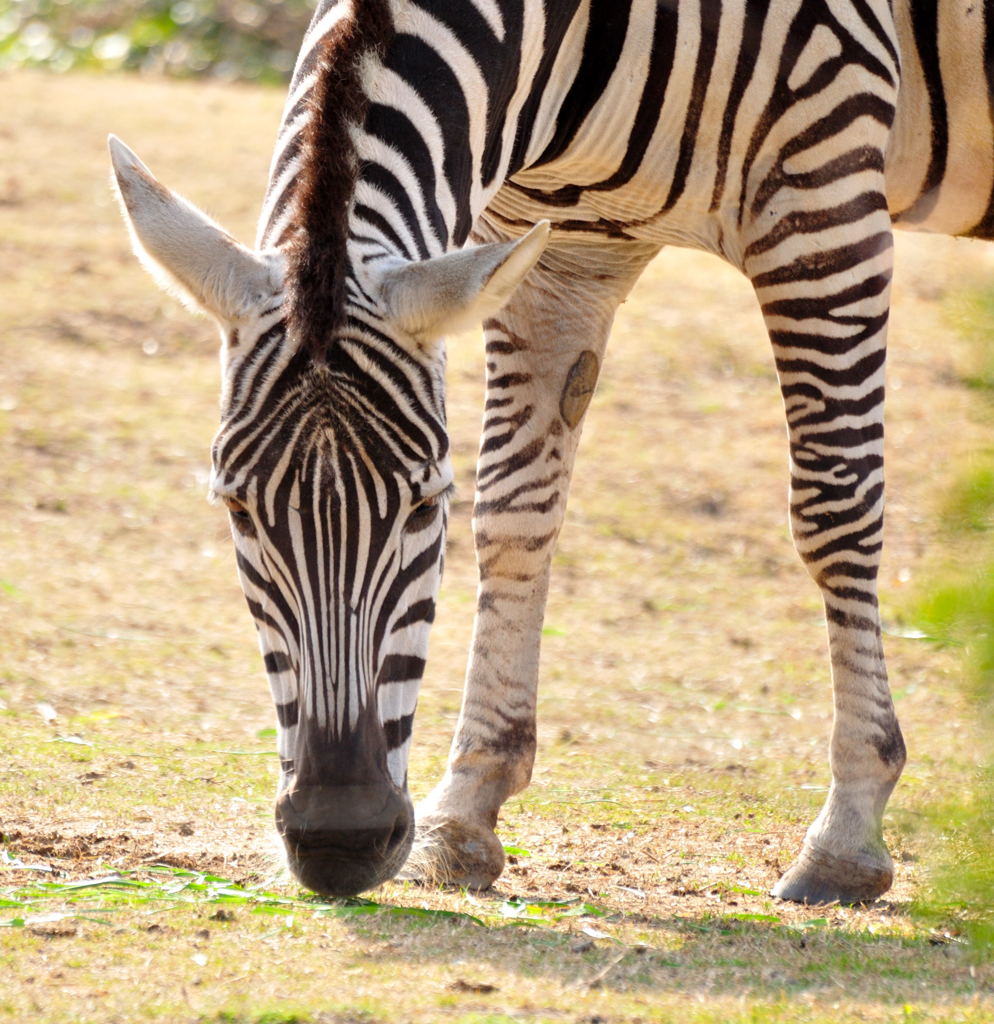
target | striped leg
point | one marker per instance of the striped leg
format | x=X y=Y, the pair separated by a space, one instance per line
x=543 y=356
x=824 y=295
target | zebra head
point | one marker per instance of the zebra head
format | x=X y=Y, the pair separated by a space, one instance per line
x=334 y=468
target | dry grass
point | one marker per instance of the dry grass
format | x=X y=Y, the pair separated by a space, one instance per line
x=685 y=705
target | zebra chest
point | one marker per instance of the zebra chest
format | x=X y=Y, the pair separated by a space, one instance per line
x=637 y=211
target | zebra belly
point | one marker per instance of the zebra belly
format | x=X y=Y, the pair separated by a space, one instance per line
x=627 y=215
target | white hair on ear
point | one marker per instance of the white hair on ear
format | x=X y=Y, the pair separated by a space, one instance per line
x=450 y=293
x=187 y=253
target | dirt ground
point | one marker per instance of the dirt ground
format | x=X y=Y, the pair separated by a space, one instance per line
x=642 y=875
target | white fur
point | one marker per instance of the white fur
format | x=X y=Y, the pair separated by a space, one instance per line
x=459 y=290
x=186 y=251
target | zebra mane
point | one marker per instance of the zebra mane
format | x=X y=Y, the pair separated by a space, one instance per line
x=316 y=258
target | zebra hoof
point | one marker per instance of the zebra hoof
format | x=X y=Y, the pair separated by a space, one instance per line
x=818 y=877
x=451 y=852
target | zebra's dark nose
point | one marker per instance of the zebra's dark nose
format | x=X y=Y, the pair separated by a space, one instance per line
x=343 y=840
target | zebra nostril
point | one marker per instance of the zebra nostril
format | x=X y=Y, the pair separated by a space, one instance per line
x=341 y=840
x=401 y=831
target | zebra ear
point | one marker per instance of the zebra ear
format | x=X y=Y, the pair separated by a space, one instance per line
x=459 y=290
x=183 y=249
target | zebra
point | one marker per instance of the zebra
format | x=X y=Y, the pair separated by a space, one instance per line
x=517 y=163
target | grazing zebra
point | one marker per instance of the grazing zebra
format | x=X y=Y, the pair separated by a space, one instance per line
x=569 y=140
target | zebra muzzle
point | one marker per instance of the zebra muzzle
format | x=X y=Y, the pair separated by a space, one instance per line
x=345 y=839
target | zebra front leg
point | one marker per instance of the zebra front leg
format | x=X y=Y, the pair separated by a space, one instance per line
x=826 y=308
x=543 y=356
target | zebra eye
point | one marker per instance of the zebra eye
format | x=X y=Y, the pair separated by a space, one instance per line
x=239 y=515
x=425 y=509
x=427 y=506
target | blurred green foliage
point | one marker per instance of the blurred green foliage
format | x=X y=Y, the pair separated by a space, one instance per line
x=253 y=40
x=961 y=610
x=970 y=311
x=958 y=608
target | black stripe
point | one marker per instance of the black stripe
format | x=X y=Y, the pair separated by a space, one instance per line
x=427 y=561
x=276 y=662
x=420 y=611
x=925 y=23
x=420 y=65
x=847 y=376
x=646 y=115
x=558 y=18
x=883 y=33
x=651 y=100
x=849 y=593
x=851 y=162
x=509 y=380
x=288 y=714
x=805 y=222
x=264 y=352
x=375 y=219
x=397 y=132
x=398 y=731
x=405 y=432
x=749 y=47
x=400 y=668
x=984 y=228
x=397 y=195
x=710 y=23
x=498 y=61
x=855 y=407
x=850 y=621
x=815 y=266
x=602 y=49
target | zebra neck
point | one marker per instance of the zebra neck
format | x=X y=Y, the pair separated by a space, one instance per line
x=440 y=130
x=425 y=128
x=314 y=169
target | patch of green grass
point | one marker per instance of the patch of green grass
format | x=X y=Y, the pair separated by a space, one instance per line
x=102 y=763
x=164 y=887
